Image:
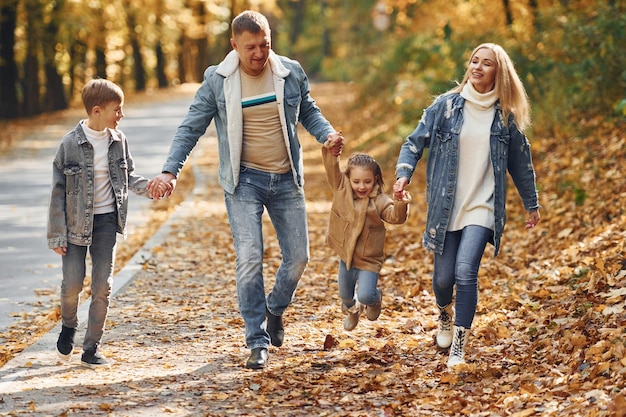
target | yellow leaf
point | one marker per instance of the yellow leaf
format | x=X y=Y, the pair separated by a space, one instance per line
x=347 y=344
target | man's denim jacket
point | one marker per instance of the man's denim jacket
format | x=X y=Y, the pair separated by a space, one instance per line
x=219 y=99
x=439 y=130
x=70 y=215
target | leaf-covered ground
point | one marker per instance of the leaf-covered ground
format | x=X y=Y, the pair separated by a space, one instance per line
x=549 y=337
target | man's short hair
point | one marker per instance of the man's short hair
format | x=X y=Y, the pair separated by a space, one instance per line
x=250 y=21
x=100 y=92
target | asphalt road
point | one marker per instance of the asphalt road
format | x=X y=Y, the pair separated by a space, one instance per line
x=27 y=266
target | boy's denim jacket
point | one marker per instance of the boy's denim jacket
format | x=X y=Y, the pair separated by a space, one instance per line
x=439 y=131
x=219 y=99
x=70 y=214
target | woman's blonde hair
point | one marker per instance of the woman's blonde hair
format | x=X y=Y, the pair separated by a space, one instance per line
x=508 y=86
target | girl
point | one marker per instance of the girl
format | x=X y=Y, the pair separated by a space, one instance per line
x=356 y=231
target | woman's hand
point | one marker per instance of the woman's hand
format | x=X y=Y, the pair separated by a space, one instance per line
x=398 y=188
x=533 y=219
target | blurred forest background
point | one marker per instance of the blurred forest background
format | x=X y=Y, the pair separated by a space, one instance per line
x=398 y=53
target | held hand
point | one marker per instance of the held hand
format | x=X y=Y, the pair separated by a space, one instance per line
x=398 y=188
x=334 y=143
x=162 y=186
x=405 y=196
x=533 y=219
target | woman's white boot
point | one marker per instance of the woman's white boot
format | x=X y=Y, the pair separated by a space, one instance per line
x=444 y=332
x=459 y=344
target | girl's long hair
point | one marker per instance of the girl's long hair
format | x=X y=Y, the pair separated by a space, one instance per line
x=508 y=86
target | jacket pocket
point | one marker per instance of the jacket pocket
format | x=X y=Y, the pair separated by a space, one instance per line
x=72 y=179
x=443 y=135
x=337 y=228
x=503 y=146
x=374 y=242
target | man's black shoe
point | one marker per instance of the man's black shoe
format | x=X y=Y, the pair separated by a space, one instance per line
x=275 y=328
x=65 y=343
x=92 y=359
x=258 y=358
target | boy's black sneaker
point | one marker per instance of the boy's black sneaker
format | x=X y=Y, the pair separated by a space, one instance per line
x=92 y=359
x=65 y=343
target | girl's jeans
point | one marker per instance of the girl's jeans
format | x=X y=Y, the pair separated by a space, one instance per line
x=102 y=251
x=367 y=291
x=285 y=205
x=459 y=263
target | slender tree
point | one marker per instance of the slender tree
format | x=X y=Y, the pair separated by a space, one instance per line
x=8 y=67
x=31 y=101
x=55 y=98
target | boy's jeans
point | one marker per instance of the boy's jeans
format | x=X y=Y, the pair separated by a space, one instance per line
x=102 y=251
x=367 y=291
x=459 y=263
x=285 y=205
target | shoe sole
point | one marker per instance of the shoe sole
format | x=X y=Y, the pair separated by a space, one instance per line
x=63 y=356
x=95 y=365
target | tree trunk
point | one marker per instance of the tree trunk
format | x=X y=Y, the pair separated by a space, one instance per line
x=31 y=101
x=78 y=58
x=299 y=8
x=101 y=63
x=160 y=67
x=55 y=92
x=139 y=73
x=507 y=12
x=9 y=104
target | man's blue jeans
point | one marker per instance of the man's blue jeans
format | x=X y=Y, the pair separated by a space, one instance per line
x=459 y=263
x=367 y=289
x=285 y=205
x=102 y=251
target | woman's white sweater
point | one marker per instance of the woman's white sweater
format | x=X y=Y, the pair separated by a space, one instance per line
x=473 y=200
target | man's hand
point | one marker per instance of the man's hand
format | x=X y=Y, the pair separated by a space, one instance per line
x=162 y=186
x=334 y=143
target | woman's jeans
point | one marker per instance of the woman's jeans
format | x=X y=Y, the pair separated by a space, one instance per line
x=102 y=251
x=367 y=291
x=459 y=263
x=285 y=205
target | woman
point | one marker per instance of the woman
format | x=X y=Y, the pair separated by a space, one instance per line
x=475 y=133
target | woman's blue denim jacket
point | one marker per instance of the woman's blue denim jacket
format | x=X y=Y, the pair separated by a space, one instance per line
x=439 y=130
x=70 y=214
x=219 y=99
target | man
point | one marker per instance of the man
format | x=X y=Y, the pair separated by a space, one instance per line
x=257 y=98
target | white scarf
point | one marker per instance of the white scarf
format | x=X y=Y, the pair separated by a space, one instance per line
x=487 y=99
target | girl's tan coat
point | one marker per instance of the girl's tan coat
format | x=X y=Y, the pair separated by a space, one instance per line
x=356 y=231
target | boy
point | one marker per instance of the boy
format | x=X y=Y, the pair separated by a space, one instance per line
x=91 y=175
